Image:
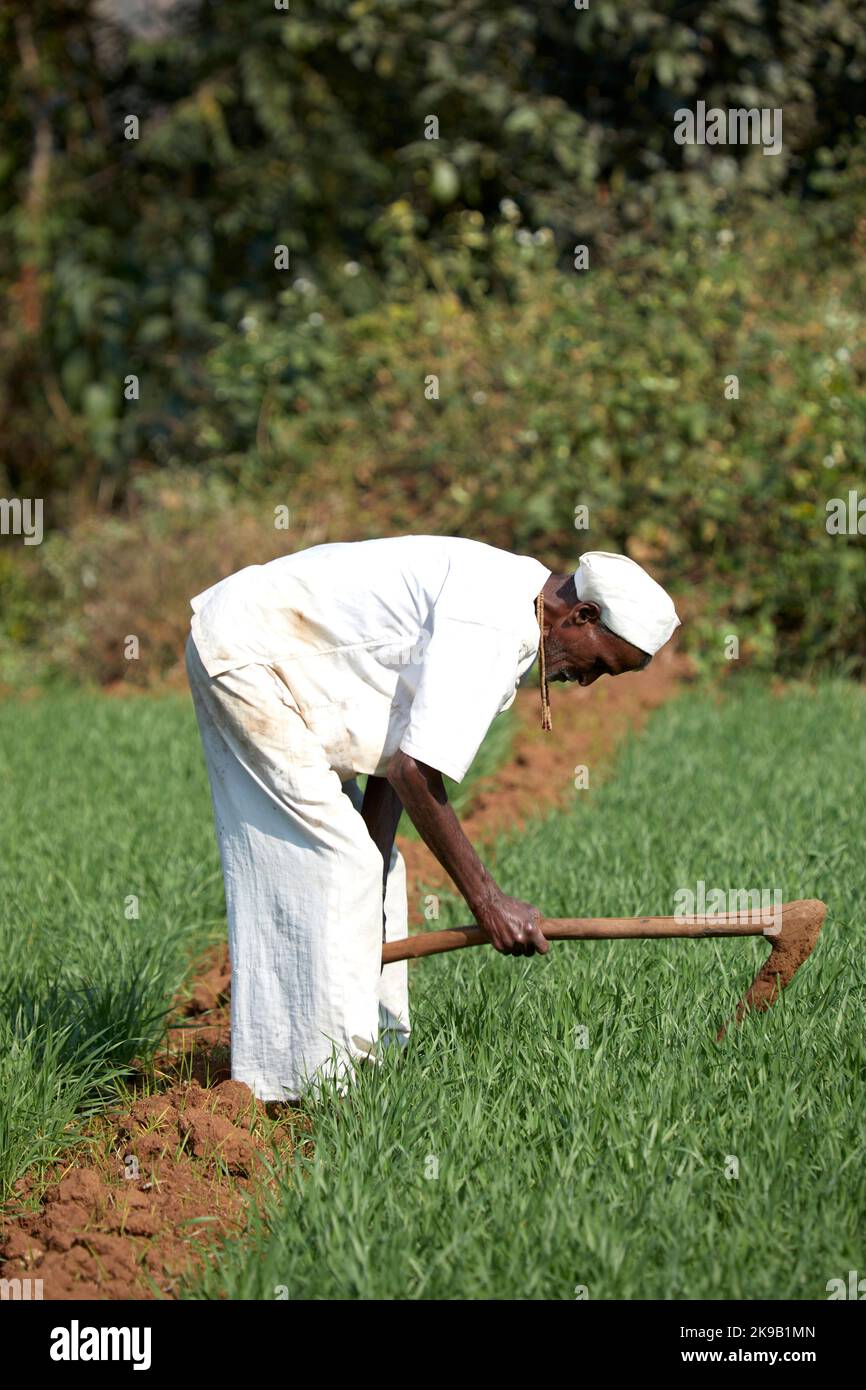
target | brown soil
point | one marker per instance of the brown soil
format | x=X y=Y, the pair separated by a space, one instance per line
x=126 y=1215
x=162 y=1181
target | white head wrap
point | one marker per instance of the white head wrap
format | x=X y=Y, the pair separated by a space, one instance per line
x=632 y=604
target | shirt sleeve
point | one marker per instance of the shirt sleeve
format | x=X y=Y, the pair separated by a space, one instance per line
x=468 y=674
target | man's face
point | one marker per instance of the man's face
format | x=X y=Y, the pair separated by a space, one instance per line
x=578 y=648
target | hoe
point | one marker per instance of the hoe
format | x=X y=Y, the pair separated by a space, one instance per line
x=791 y=941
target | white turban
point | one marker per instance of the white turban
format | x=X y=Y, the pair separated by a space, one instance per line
x=633 y=605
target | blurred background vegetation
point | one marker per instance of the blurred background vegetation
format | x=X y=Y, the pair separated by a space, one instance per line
x=409 y=257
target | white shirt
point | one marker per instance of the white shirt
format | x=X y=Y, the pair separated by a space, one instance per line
x=414 y=642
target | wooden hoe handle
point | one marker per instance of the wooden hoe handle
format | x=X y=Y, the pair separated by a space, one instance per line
x=792 y=936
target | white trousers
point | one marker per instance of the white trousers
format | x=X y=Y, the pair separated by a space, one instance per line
x=303 y=888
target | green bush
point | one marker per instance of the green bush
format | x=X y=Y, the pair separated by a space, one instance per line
x=310 y=129
x=605 y=388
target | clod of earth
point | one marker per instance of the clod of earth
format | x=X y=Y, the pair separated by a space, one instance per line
x=113 y=1231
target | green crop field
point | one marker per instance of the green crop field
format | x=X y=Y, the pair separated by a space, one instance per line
x=105 y=815
x=556 y=1124
x=110 y=887
x=570 y=1123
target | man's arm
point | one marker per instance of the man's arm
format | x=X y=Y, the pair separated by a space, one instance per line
x=512 y=926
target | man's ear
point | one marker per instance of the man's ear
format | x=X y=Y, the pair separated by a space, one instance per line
x=584 y=612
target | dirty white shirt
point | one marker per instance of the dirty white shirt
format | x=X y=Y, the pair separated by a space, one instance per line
x=414 y=642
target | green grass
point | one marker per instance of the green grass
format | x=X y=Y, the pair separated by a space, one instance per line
x=558 y=1164
x=501 y=1158
x=104 y=801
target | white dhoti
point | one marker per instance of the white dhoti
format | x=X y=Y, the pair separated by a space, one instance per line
x=303 y=887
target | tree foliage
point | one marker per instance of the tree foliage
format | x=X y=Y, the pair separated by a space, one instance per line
x=307 y=128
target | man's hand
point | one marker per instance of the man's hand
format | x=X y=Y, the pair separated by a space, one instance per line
x=511 y=926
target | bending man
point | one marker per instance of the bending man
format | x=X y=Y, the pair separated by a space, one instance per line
x=390 y=658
